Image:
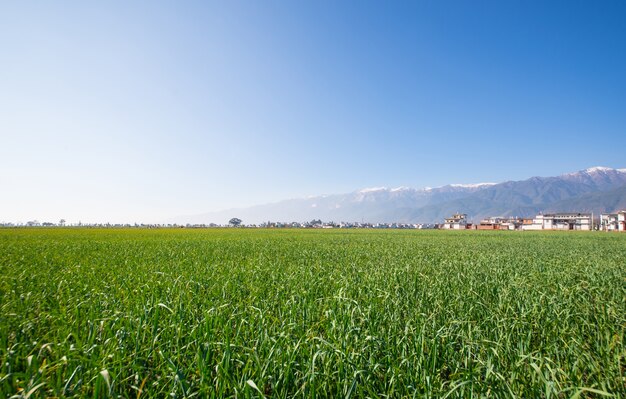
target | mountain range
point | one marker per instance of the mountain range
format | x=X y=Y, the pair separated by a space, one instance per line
x=597 y=189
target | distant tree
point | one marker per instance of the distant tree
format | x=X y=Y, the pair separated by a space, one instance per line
x=62 y=222
x=234 y=222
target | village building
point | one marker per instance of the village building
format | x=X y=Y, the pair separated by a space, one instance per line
x=560 y=221
x=511 y=224
x=492 y=223
x=608 y=222
x=533 y=224
x=458 y=221
x=500 y=223
x=613 y=221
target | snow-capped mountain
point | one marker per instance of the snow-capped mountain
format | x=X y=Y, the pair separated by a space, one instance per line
x=597 y=189
x=597 y=176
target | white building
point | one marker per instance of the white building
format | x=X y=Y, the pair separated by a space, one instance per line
x=613 y=221
x=560 y=221
x=537 y=224
x=458 y=221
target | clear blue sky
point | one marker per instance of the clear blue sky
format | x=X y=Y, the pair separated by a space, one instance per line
x=111 y=111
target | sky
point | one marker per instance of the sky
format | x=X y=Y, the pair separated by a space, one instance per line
x=142 y=111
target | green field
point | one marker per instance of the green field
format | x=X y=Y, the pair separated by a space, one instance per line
x=311 y=313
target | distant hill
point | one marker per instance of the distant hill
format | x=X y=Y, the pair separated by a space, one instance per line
x=597 y=189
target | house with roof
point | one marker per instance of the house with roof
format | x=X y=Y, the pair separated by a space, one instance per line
x=613 y=221
x=560 y=221
x=458 y=221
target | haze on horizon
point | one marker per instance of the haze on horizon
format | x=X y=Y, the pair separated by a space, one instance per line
x=119 y=112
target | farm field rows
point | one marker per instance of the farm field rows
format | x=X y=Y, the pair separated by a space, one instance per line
x=311 y=313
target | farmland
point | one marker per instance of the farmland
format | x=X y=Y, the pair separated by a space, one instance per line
x=311 y=313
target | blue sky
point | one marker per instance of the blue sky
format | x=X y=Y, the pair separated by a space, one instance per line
x=139 y=112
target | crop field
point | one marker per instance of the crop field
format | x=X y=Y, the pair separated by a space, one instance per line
x=309 y=313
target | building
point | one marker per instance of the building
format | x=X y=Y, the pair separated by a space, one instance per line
x=499 y=223
x=511 y=224
x=526 y=222
x=458 y=221
x=567 y=221
x=492 y=223
x=613 y=221
x=535 y=224
x=608 y=221
x=560 y=221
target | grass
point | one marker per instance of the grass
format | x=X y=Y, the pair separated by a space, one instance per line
x=310 y=313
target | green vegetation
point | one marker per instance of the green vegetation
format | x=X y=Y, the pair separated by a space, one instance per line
x=311 y=313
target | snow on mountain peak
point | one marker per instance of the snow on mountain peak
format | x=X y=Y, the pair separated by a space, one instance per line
x=596 y=169
x=379 y=189
x=590 y=172
x=373 y=189
x=476 y=185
